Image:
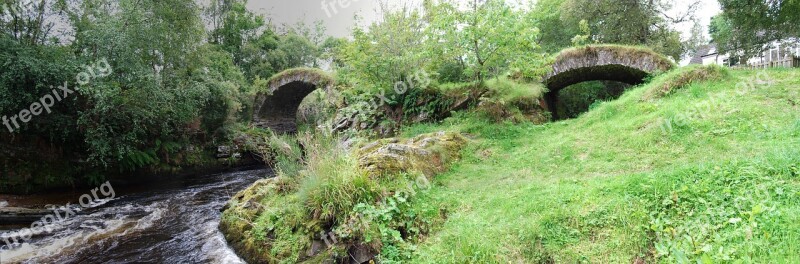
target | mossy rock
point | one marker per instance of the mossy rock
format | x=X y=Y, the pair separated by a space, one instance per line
x=428 y=154
x=238 y=216
x=294 y=230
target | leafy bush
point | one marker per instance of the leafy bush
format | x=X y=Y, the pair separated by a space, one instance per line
x=451 y=72
x=509 y=100
x=579 y=98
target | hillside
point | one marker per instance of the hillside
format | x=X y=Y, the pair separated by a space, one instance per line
x=699 y=164
x=612 y=186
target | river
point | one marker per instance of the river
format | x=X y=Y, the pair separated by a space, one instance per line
x=174 y=220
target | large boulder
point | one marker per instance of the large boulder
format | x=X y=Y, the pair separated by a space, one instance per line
x=427 y=154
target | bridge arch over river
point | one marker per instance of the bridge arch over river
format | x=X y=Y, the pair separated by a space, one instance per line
x=277 y=107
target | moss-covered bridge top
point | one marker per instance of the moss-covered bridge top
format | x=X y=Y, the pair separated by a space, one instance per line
x=625 y=64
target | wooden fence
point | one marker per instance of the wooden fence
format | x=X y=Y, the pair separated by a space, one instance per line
x=792 y=62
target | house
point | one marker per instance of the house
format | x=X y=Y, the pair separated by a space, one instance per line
x=709 y=54
x=775 y=54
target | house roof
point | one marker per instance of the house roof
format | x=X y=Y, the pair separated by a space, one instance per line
x=703 y=51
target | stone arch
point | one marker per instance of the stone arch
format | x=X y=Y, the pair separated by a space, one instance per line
x=276 y=109
x=624 y=64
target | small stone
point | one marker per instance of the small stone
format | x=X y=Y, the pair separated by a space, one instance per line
x=317 y=246
x=361 y=254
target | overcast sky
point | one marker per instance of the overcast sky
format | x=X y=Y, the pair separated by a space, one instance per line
x=339 y=19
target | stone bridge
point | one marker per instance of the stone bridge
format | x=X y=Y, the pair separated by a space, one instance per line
x=624 y=64
x=277 y=107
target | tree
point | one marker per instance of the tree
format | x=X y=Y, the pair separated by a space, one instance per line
x=29 y=21
x=747 y=26
x=632 y=22
x=330 y=50
x=488 y=35
x=233 y=26
x=556 y=32
x=721 y=31
x=389 y=51
x=697 y=39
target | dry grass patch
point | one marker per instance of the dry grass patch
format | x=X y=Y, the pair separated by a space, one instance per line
x=684 y=77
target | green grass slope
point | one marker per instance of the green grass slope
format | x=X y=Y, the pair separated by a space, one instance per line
x=709 y=173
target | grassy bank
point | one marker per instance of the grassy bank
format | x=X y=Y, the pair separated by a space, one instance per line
x=709 y=172
x=329 y=203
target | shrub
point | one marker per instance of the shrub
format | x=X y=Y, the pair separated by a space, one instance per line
x=514 y=101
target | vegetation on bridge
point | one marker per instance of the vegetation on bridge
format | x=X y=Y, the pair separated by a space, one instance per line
x=630 y=64
x=313 y=76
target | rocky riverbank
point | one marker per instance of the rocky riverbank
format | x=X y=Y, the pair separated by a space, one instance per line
x=329 y=210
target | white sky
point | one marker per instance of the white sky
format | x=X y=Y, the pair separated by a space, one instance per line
x=341 y=19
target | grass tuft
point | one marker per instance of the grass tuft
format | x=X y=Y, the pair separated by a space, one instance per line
x=682 y=78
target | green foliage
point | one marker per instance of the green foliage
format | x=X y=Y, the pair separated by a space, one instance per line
x=513 y=91
x=492 y=37
x=233 y=28
x=452 y=72
x=579 y=98
x=307 y=199
x=287 y=153
x=635 y=22
x=721 y=31
x=583 y=38
x=337 y=194
x=129 y=114
x=556 y=33
x=167 y=84
x=255 y=46
x=733 y=211
x=748 y=25
x=385 y=53
x=31 y=72
x=509 y=100
x=397 y=221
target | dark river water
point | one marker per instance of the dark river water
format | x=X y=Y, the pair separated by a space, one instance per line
x=170 y=221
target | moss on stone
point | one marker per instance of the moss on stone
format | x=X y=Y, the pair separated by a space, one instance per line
x=279 y=220
x=308 y=75
x=628 y=64
x=427 y=154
